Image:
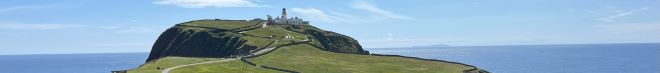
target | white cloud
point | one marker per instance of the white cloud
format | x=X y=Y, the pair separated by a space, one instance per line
x=209 y=3
x=412 y=41
x=615 y=16
x=330 y=17
x=31 y=7
x=314 y=13
x=136 y=30
x=116 y=28
x=109 y=27
x=28 y=26
x=631 y=28
x=374 y=14
x=375 y=9
x=123 y=44
x=390 y=36
x=613 y=24
x=619 y=13
x=131 y=29
x=390 y=42
x=8 y=9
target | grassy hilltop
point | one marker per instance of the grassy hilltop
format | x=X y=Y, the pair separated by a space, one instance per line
x=275 y=49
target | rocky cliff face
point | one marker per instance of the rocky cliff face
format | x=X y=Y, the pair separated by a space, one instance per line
x=189 y=41
x=178 y=41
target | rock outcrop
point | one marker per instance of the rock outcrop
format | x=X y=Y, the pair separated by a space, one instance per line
x=179 y=41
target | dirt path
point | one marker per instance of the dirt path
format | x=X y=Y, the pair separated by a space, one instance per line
x=167 y=70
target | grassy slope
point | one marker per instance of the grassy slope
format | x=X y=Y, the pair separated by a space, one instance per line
x=256 y=41
x=276 y=31
x=307 y=59
x=302 y=58
x=166 y=62
x=272 y=30
x=222 y=24
x=235 y=66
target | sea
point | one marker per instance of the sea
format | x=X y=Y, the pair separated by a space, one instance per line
x=575 y=58
x=71 y=63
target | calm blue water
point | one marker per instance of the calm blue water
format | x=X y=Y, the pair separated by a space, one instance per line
x=604 y=58
x=70 y=63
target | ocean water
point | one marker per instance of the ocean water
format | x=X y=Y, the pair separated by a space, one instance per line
x=70 y=63
x=598 y=58
x=603 y=58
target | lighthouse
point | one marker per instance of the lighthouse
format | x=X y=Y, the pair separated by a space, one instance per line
x=285 y=20
x=284 y=13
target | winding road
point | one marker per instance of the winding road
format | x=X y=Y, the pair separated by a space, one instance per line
x=167 y=70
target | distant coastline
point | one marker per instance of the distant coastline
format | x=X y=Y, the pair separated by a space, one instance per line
x=447 y=46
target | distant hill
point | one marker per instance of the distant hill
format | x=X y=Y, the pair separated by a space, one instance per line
x=438 y=46
x=256 y=46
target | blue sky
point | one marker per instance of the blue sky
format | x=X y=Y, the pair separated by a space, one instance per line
x=109 y=26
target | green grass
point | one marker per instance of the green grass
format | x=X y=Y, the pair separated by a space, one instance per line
x=256 y=41
x=151 y=67
x=195 y=29
x=302 y=58
x=221 y=24
x=307 y=59
x=279 y=32
x=235 y=66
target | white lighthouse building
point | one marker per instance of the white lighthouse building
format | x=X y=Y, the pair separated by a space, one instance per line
x=285 y=20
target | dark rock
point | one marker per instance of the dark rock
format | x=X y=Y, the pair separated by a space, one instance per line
x=177 y=41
